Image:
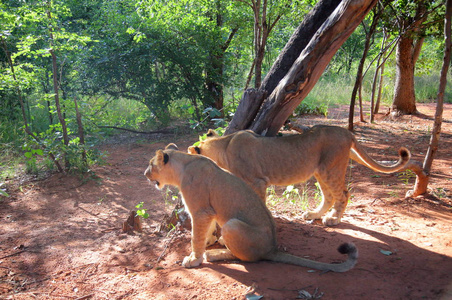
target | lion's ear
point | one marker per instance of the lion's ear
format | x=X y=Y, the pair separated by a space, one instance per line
x=191 y=150
x=172 y=146
x=194 y=150
x=161 y=158
x=212 y=133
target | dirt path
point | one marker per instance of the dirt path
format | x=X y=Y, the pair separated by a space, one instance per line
x=61 y=237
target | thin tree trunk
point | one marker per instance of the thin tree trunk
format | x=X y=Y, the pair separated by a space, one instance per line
x=420 y=186
x=360 y=101
x=359 y=74
x=372 y=96
x=380 y=88
x=250 y=74
x=81 y=133
x=375 y=80
x=22 y=106
x=55 y=85
x=382 y=70
x=258 y=30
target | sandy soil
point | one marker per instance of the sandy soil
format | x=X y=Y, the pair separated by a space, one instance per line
x=61 y=238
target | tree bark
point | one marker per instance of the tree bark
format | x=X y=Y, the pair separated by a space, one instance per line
x=297 y=43
x=308 y=67
x=404 y=101
x=408 y=49
x=246 y=112
x=421 y=183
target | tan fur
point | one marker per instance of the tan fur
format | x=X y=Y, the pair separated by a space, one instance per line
x=211 y=195
x=322 y=152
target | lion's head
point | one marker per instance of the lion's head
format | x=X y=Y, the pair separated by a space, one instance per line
x=158 y=171
x=204 y=147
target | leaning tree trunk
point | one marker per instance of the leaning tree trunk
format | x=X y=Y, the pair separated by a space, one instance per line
x=252 y=99
x=420 y=186
x=309 y=66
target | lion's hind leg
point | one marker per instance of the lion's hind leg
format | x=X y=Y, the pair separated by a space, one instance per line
x=246 y=242
x=219 y=254
x=335 y=215
x=326 y=203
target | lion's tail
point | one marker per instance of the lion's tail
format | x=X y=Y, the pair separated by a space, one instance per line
x=346 y=248
x=358 y=154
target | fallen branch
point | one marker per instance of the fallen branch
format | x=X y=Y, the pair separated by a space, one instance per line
x=165 y=131
x=167 y=244
x=85 y=297
x=13 y=254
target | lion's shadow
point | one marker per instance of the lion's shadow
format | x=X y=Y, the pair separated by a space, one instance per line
x=388 y=267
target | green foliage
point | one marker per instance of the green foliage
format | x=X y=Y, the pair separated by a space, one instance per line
x=295 y=196
x=143 y=64
x=306 y=108
x=142 y=211
x=406 y=176
x=210 y=116
x=426 y=88
x=292 y=194
x=219 y=130
x=331 y=89
x=3 y=193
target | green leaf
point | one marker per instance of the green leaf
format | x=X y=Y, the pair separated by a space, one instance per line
x=3 y=193
x=28 y=154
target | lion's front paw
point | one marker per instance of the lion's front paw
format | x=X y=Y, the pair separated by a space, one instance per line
x=331 y=221
x=310 y=215
x=191 y=261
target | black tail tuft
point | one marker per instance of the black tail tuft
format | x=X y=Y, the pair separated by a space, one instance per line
x=347 y=248
x=404 y=153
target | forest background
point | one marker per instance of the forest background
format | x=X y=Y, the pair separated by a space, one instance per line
x=73 y=72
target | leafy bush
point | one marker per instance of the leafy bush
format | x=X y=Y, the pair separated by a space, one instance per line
x=311 y=109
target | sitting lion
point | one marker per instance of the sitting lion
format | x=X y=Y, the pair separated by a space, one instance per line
x=322 y=151
x=212 y=195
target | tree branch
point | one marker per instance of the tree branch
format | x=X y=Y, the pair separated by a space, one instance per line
x=164 y=131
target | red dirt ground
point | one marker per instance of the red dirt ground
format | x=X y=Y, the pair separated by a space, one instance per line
x=61 y=237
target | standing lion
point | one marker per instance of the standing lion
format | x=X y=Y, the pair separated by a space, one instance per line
x=323 y=152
